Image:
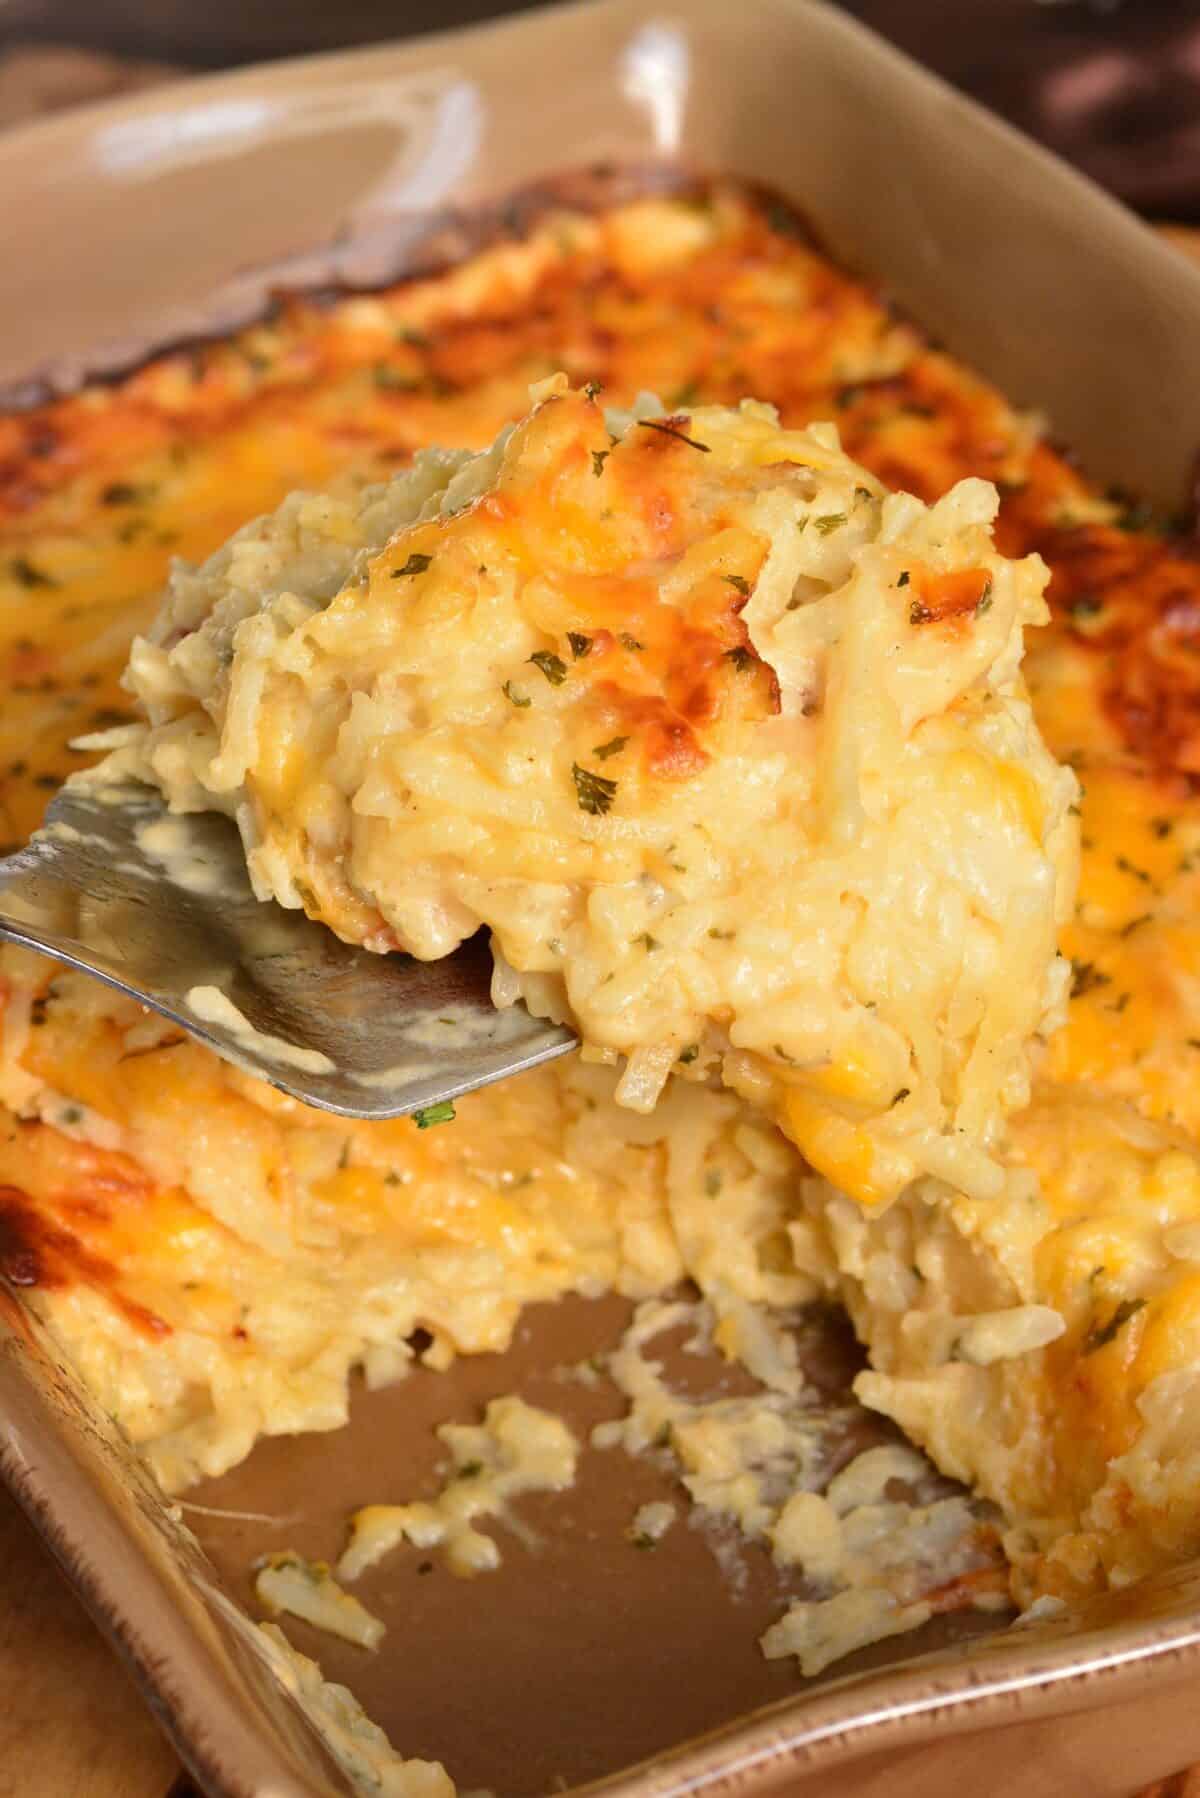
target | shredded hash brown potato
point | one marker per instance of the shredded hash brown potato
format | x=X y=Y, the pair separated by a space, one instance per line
x=728 y=749
x=217 y=1259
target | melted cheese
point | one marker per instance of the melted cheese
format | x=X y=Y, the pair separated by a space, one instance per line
x=211 y=1298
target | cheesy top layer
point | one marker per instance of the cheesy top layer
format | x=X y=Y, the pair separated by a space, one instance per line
x=727 y=747
x=703 y=298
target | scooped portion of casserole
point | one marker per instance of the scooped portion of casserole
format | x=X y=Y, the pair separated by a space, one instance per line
x=727 y=745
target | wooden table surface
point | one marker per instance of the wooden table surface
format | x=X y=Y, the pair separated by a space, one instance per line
x=71 y=1722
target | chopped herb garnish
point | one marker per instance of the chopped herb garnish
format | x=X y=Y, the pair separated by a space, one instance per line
x=393 y=380
x=614 y=746
x=648 y=942
x=919 y=613
x=552 y=666
x=470 y=1470
x=654 y=424
x=831 y=521
x=1098 y=1338
x=1085 y=975
x=1127 y=867
x=742 y=658
x=631 y=642
x=900 y=1093
x=1135 y=517
x=1161 y=827
x=417 y=339
x=739 y=583
x=595 y=792
x=71 y=1114
x=416 y=564
x=27 y=575
x=643 y=1541
x=599 y=458
x=721 y=936
x=124 y=493
x=592 y=389
x=687 y=395
x=902 y=580
x=984 y=602
x=579 y=644
x=511 y=694
x=429 y=1115
x=689 y=1054
x=802 y=524
x=1086 y=606
x=713 y=1182
x=784 y=222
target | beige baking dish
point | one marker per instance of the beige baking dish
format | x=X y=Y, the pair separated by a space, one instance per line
x=175 y=213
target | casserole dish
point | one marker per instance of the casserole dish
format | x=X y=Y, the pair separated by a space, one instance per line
x=351 y=169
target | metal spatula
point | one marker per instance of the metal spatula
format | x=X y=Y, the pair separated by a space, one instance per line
x=369 y=1036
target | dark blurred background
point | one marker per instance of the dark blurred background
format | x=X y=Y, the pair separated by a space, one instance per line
x=1113 y=85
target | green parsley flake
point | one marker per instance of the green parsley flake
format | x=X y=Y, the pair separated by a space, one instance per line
x=391 y=380
x=631 y=642
x=831 y=521
x=416 y=564
x=614 y=746
x=552 y=666
x=124 y=493
x=742 y=658
x=652 y=424
x=429 y=1115
x=580 y=644
x=511 y=694
x=739 y=583
x=26 y=574
x=599 y=458
x=1100 y=1337
x=594 y=791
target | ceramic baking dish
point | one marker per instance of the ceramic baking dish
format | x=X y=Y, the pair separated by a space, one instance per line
x=177 y=212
